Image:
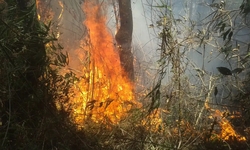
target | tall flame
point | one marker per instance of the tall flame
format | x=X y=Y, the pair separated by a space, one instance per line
x=103 y=95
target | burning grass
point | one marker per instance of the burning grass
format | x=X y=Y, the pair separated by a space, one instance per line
x=103 y=94
x=101 y=104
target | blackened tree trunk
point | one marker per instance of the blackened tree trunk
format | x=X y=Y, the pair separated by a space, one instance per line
x=124 y=37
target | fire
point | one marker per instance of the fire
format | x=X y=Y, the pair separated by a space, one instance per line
x=103 y=95
x=227 y=130
x=153 y=122
x=61 y=13
x=38 y=6
x=43 y=13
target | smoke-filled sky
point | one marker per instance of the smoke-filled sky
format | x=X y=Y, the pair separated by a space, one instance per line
x=197 y=10
x=145 y=39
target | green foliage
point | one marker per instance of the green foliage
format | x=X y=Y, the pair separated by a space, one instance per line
x=31 y=86
x=188 y=98
x=33 y=91
x=245 y=7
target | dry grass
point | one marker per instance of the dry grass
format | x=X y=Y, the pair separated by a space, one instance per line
x=177 y=114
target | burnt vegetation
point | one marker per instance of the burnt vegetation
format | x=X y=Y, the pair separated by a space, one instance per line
x=176 y=115
x=30 y=85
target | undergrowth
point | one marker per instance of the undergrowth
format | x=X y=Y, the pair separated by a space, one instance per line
x=176 y=115
x=31 y=86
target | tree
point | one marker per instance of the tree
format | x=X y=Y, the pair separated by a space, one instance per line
x=124 y=37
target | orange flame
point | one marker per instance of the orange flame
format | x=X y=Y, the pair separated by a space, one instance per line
x=227 y=130
x=103 y=94
x=43 y=13
x=38 y=3
x=62 y=6
x=153 y=122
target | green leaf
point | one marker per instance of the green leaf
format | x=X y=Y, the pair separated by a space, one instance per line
x=227 y=49
x=202 y=39
x=237 y=70
x=63 y=58
x=53 y=47
x=215 y=90
x=222 y=27
x=225 y=34
x=230 y=35
x=224 y=70
x=60 y=46
x=48 y=26
x=162 y=6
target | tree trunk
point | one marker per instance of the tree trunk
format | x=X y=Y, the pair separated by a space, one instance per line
x=124 y=37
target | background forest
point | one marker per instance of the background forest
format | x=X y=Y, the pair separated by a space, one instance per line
x=193 y=95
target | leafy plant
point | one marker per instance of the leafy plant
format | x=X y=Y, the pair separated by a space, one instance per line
x=32 y=88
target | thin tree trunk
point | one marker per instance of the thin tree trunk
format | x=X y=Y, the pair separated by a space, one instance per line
x=124 y=37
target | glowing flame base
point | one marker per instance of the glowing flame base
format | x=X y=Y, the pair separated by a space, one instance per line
x=103 y=94
x=227 y=130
